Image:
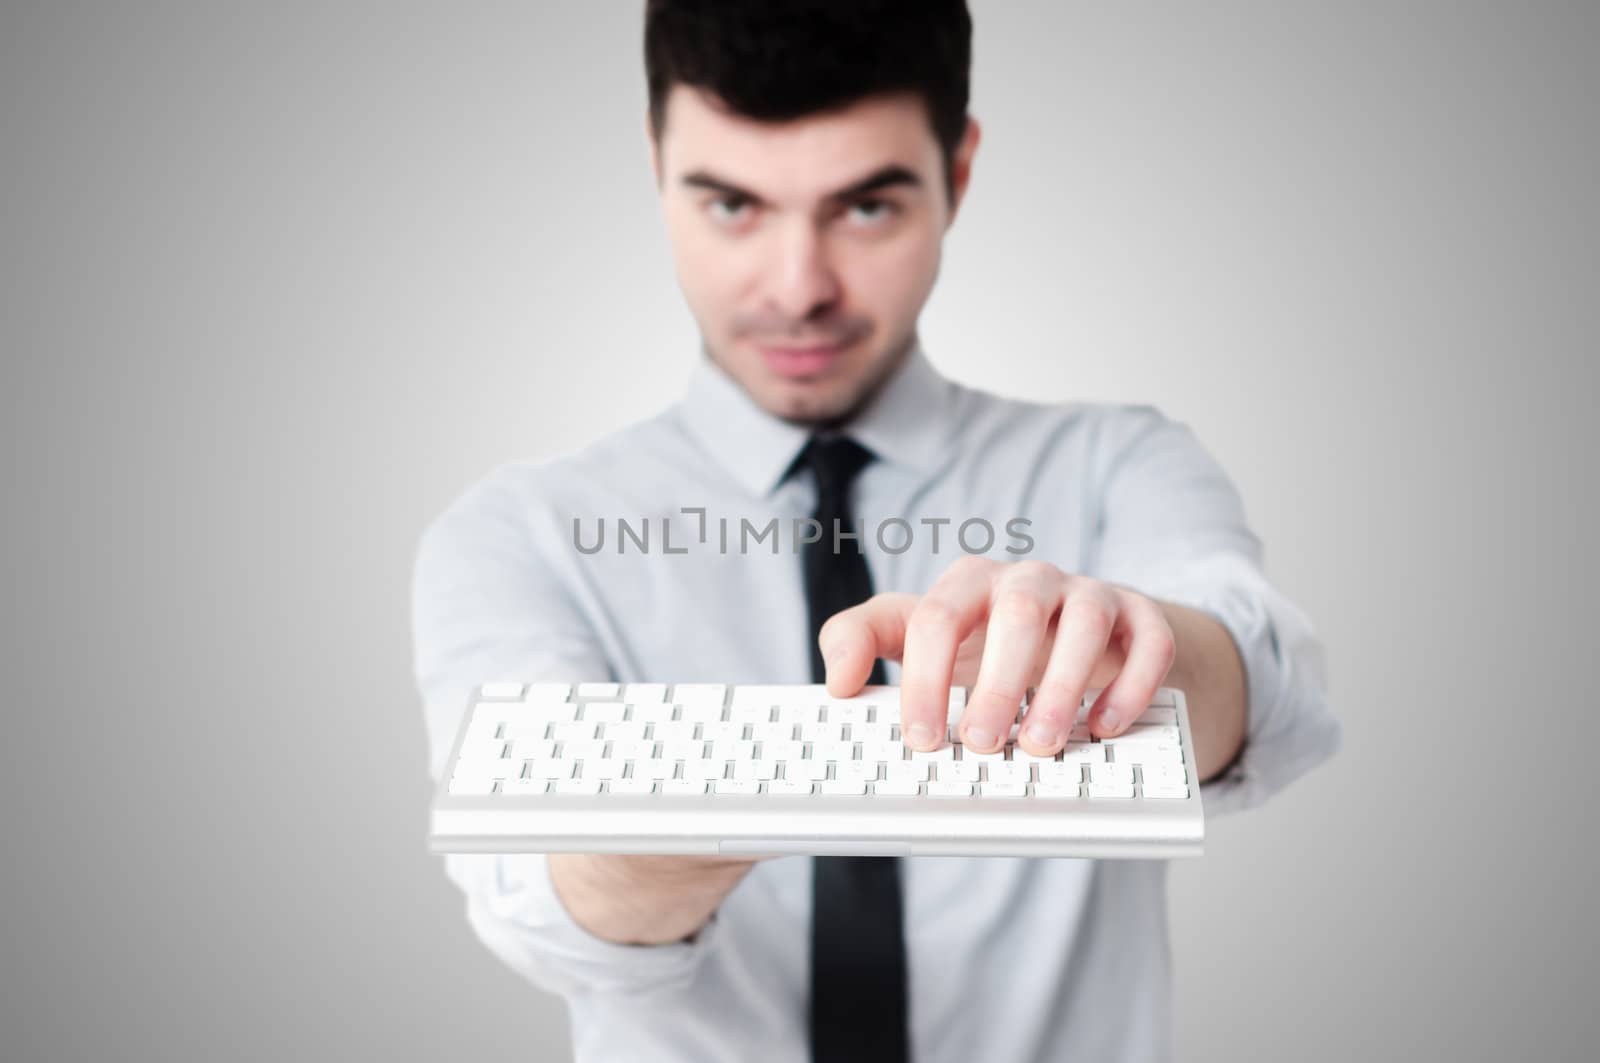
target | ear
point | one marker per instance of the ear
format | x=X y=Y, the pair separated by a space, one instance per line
x=961 y=165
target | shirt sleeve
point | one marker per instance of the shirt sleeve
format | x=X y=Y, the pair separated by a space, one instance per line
x=1173 y=527
x=485 y=608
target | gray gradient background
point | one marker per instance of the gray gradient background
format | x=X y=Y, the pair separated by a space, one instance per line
x=278 y=283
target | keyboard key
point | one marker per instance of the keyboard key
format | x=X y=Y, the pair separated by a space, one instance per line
x=780 y=694
x=583 y=749
x=1022 y=756
x=674 y=731
x=808 y=769
x=633 y=750
x=699 y=694
x=726 y=749
x=755 y=770
x=955 y=770
x=604 y=711
x=1010 y=772
x=822 y=732
x=844 y=712
x=524 y=787
x=907 y=771
x=482 y=749
x=623 y=731
x=896 y=788
x=1111 y=773
x=488 y=715
x=1158 y=717
x=1165 y=773
x=599 y=690
x=850 y=787
x=949 y=788
x=1160 y=735
x=551 y=769
x=578 y=786
x=654 y=769
x=631 y=785
x=800 y=713
x=706 y=713
x=833 y=751
x=1003 y=789
x=972 y=756
x=1084 y=753
x=644 y=693
x=604 y=768
x=856 y=769
x=547 y=692
x=789 y=786
x=502 y=690
x=1163 y=791
x=1063 y=774
x=574 y=730
x=1056 y=790
x=489 y=769
x=683 y=786
x=737 y=786
x=782 y=750
x=1146 y=753
x=653 y=713
x=553 y=711
x=1110 y=789
x=471 y=787
x=704 y=769
x=533 y=749
x=889 y=752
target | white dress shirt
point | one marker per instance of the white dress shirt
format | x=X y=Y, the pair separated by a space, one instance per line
x=1008 y=959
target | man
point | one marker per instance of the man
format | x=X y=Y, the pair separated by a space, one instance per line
x=810 y=158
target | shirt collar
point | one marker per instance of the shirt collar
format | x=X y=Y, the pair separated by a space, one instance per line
x=905 y=424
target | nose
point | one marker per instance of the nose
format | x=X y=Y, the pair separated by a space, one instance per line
x=803 y=278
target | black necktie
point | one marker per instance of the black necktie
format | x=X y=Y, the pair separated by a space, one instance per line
x=858 y=953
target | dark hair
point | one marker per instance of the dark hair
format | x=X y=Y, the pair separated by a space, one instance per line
x=779 y=59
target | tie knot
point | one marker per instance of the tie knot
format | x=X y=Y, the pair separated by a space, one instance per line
x=834 y=461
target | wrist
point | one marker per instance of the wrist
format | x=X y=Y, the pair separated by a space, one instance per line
x=639 y=900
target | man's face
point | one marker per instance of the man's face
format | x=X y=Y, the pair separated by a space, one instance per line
x=807 y=248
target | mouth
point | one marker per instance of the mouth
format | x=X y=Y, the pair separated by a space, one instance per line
x=798 y=362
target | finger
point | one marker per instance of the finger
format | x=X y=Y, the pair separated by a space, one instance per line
x=942 y=619
x=1021 y=605
x=853 y=639
x=1088 y=617
x=1151 y=651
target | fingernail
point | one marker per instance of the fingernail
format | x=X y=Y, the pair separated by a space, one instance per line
x=977 y=736
x=1108 y=720
x=920 y=734
x=1044 y=736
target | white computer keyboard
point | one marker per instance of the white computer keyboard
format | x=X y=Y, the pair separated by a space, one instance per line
x=701 y=767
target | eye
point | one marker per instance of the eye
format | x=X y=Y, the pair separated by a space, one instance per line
x=729 y=208
x=873 y=212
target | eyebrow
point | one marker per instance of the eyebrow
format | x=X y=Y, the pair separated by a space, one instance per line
x=883 y=177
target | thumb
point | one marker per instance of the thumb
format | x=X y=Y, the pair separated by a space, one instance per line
x=853 y=639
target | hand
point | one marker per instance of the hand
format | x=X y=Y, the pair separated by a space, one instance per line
x=645 y=899
x=1000 y=628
